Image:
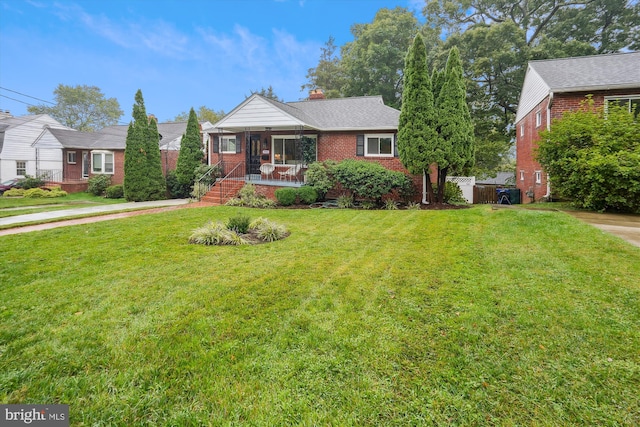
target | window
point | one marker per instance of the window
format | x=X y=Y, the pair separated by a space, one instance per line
x=631 y=103
x=71 y=157
x=538 y=119
x=288 y=149
x=102 y=162
x=522 y=129
x=521 y=175
x=538 y=177
x=379 y=145
x=228 y=144
x=21 y=168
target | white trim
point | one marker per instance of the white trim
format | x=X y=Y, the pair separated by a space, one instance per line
x=75 y=158
x=521 y=175
x=618 y=98
x=378 y=136
x=227 y=138
x=538 y=177
x=25 y=167
x=522 y=129
x=294 y=137
x=538 y=118
x=103 y=154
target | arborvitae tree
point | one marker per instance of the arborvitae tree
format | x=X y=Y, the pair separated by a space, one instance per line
x=190 y=156
x=454 y=122
x=418 y=141
x=143 y=178
x=157 y=189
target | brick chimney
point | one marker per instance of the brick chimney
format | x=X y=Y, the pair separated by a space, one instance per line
x=316 y=94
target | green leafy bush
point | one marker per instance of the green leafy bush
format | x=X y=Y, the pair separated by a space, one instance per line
x=30 y=182
x=35 y=193
x=593 y=158
x=368 y=204
x=98 y=184
x=114 y=192
x=207 y=174
x=319 y=177
x=249 y=197
x=175 y=188
x=307 y=194
x=14 y=192
x=286 y=196
x=368 y=180
x=453 y=193
x=239 y=223
x=199 y=190
x=413 y=206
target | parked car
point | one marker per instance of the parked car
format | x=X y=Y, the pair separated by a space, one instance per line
x=8 y=185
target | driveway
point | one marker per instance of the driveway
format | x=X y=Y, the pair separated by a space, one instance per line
x=624 y=226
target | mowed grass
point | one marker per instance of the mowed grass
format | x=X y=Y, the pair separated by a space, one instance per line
x=463 y=317
x=12 y=206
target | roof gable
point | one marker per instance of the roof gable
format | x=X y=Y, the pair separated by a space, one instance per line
x=577 y=74
x=259 y=112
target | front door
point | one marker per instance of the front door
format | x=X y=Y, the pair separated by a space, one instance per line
x=253 y=154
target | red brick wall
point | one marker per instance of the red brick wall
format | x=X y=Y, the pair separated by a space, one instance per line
x=527 y=143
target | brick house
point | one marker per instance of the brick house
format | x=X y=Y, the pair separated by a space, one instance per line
x=264 y=139
x=554 y=86
x=85 y=154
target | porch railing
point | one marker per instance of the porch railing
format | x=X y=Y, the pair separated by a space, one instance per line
x=207 y=180
x=234 y=178
x=53 y=176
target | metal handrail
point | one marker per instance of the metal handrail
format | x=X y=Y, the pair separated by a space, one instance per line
x=211 y=183
x=226 y=183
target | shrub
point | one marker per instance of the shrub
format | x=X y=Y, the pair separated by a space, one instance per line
x=54 y=192
x=368 y=204
x=216 y=234
x=114 y=192
x=286 y=196
x=345 y=202
x=199 y=190
x=390 y=205
x=413 y=206
x=307 y=194
x=207 y=174
x=30 y=182
x=98 y=184
x=368 y=180
x=320 y=178
x=453 y=193
x=14 y=192
x=239 y=223
x=248 y=197
x=175 y=189
x=268 y=231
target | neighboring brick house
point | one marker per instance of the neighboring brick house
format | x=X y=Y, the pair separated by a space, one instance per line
x=89 y=153
x=554 y=86
x=265 y=137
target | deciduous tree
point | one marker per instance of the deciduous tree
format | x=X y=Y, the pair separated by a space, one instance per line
x=81 y=107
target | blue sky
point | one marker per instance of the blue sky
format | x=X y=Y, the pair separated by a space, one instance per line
x=182 y=54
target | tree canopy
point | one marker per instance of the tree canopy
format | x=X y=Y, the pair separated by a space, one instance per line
x=496 y=39
x=203 y=114
x=81 y=107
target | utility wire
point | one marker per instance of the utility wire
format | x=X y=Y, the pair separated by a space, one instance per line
x=24 y=94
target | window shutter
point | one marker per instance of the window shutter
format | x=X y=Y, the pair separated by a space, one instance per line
x=360 y=145
x=395 y=145
x=216 y=144
x=238 y=145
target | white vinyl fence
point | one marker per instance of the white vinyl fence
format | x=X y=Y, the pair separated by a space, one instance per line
x=466 y=184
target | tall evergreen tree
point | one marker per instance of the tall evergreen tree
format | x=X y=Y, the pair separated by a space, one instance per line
x=143 y=178
x=454 y=122
x=157 y=189
x=418 y=141
x=190 y=156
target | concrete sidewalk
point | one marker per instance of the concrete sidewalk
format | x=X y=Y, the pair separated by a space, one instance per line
x=89 y=210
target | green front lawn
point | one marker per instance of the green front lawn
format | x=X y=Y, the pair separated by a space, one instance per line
x=465 y=317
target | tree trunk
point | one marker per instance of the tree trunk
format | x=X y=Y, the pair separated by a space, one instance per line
x=430 y=196
x=442 y=179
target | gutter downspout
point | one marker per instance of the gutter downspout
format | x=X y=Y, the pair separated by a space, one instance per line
x=424 y=188
x=548 y=194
